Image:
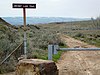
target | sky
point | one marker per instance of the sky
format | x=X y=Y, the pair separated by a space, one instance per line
x=53 y=8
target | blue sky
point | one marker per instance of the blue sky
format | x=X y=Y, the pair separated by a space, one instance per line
x=53 y=8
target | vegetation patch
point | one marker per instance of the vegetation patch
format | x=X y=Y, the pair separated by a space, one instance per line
x=57 y=56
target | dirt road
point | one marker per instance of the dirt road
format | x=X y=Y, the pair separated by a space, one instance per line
x=78 y=62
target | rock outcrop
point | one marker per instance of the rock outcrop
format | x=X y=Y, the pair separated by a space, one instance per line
x=36 y=67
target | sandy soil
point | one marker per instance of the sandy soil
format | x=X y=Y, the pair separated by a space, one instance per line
x=78 y=62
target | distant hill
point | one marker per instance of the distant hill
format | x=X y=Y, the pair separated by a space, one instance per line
x=40 y=20
x=8 y=25
x=4 y=22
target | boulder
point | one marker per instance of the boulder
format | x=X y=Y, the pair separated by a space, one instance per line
x=36 y=67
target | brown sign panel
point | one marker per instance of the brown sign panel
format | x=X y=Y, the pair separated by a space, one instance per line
x=16 y=5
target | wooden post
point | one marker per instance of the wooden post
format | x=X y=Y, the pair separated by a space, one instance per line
x=24 y=6
x=50 y=47
x=24 y=18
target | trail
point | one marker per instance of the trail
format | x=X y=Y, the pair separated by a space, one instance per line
x=78 y=62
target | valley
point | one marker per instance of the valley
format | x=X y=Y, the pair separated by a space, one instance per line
x=41 y=35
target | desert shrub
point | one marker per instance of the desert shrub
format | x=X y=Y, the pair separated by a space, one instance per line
x=8 y=43
x=3 y=28
x=79 y=35
x=8 y=66
x=30 y=35
x=98 y=35
x=61 y=44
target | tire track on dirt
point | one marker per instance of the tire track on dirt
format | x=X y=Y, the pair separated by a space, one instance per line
x=78 y=62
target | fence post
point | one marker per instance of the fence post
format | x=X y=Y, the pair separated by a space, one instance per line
x=50 y=49
x=55 y=49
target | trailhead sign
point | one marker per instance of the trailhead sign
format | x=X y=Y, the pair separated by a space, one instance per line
x=24 y=6
x=21 y=5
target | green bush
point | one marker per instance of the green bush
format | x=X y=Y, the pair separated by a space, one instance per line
x=56 y=57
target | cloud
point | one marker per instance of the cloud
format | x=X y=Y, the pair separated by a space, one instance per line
x=71 y=8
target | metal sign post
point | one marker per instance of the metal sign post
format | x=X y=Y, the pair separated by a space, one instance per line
x=24 y=6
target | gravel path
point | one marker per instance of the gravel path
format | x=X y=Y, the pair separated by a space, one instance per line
x=78 y=62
